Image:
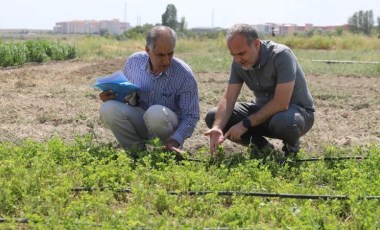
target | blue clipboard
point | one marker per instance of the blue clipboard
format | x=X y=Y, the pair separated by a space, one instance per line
x=116 y=83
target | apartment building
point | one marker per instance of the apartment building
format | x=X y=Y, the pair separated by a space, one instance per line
x=290 y=29
x=91 y=27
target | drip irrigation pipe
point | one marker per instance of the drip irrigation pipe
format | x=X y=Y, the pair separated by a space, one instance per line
x=90 y=189
x=331 y=159
x=238 y=193
x=180 y=154
x=26 y=221
x=278 y=195
x=17 y=220
x=313 y=159
x=344 y=62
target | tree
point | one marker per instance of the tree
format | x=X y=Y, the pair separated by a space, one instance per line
x=103 y=32
x=137 y=32
x=368 y=22
x=361 y=22
x=182 y=25
x=378 y=26
x=339 y=31
x=169 y=18
x=353 y=23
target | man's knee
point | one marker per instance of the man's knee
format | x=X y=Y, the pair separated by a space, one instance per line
x=286 y=126
x=158 y=114
x=108 y=110
x=210 y=117
x=160 y=120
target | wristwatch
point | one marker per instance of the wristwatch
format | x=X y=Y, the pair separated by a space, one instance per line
x=247 y=123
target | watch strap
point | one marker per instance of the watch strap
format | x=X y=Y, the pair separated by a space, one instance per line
x=247 y=123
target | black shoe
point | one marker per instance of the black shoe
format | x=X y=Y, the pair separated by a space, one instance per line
x=290 y=150
x=261 y=153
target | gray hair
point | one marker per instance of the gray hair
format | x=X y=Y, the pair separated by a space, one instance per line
x=246 y=30
x=157 y=32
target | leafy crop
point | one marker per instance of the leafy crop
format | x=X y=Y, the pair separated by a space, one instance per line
x=16 y=54
x=37 y=181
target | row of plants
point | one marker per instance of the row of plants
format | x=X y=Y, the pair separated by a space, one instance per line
x=347 y=47
x=38 y=182
x=19 y=53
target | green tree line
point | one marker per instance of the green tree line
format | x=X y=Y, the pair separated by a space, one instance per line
x=363 y=22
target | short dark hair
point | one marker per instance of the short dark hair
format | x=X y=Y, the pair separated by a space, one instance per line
x=246 y=30
x=157 y=32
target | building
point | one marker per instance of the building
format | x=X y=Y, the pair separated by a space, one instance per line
x=205 y=29
x=291 y=29
x=91 y=27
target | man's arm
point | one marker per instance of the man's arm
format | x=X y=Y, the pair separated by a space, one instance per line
x=189 y=113
x=225 y=108
x=280 y=102
x=226 y=105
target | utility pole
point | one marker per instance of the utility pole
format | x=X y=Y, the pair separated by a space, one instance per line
x=138 y=20
x=125 y=12
x=212 y=18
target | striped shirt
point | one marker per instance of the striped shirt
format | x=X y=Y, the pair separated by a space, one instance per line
x=175 y=88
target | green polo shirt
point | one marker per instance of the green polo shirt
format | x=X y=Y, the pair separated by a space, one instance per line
x=277 y=65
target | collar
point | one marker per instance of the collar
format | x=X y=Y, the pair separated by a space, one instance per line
x=264 y=54
x=146 y=68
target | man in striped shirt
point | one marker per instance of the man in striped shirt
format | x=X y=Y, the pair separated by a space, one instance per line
x=168 y=105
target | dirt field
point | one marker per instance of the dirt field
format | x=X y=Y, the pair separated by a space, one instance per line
x=40 y=101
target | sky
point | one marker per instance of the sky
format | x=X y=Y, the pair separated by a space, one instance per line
x=43 y=14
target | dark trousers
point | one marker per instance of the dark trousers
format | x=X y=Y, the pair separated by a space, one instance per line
x=287 y=126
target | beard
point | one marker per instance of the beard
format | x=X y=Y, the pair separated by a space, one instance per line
x=246 y=67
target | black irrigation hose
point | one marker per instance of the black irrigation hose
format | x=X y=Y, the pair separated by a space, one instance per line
x=314 y=159
x=90 y=189
x=278 y=195
x=331 y=159
x=194 y=159
x=26 y=221
x=17 y=220
x=345 y=62
x=181 y=155
x=238 y=193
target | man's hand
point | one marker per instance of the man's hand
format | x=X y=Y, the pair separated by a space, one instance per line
x=216 y=138
x=172 y=145
x=107 y=95
x=235 y=132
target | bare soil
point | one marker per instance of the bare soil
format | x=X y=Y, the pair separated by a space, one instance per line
x=41 y=101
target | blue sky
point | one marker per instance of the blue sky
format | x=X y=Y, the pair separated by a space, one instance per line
x=43 y=14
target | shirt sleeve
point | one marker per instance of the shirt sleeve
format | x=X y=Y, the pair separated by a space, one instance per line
x=188 y=110
x=285 y=64
x=234 y=76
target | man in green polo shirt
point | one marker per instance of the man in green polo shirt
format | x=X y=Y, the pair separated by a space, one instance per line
x=283 y=106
